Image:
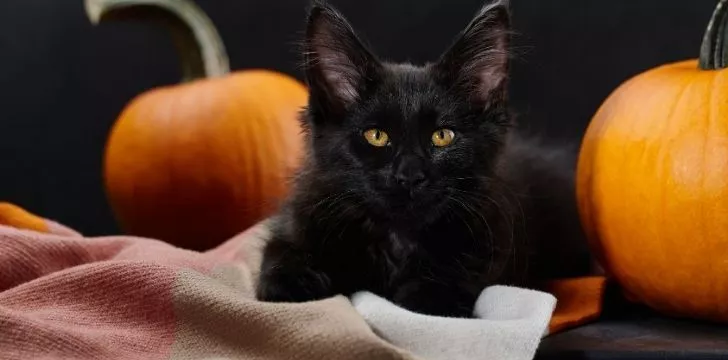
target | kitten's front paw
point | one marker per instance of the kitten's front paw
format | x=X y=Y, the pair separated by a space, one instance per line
x=293 y=285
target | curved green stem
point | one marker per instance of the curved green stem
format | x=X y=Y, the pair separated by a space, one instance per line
x=714 y=52
x=198 y=43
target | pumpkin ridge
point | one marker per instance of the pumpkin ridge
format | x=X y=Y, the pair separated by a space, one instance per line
x=664 y=170
x=703 y=185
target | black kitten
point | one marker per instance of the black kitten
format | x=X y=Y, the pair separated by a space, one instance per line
x=415 y=185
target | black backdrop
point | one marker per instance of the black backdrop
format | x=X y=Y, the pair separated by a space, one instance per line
x=63 y=82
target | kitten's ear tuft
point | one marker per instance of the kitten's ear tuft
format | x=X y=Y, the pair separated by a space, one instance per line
x=338 y=66
x=477 y=63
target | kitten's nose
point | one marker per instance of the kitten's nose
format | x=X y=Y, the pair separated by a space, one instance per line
x=410 y=180
x=409 y=173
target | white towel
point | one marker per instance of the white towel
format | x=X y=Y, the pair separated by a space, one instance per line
x=509 y=325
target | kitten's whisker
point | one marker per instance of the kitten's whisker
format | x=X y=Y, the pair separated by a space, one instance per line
x=514 y=198
x=478 y=214
x=505 y=215
x=457 y=201
x=340 y=217
x=337 y=199
x=490 y=236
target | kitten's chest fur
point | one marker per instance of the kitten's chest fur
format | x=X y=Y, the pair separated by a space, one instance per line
x=392 y=256
x=389 y=259
x=367 y=255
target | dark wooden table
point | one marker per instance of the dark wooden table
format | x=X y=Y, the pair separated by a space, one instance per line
x=639 y=338
x=630 y=332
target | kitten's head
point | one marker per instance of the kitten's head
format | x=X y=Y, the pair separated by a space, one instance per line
x=406 y=138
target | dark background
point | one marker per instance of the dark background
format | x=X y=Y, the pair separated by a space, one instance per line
x=63 y=82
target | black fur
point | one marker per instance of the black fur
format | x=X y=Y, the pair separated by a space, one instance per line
x=428 y=228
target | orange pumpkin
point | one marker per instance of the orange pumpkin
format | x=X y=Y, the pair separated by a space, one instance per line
x=653 y=183
x=194 y=164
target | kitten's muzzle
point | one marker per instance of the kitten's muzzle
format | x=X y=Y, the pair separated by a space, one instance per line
x=409 y=172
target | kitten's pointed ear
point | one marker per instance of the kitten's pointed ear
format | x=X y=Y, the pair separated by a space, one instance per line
x=338 y=66
x=477 y=63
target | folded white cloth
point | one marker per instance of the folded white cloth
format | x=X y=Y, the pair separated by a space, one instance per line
x=509 y=325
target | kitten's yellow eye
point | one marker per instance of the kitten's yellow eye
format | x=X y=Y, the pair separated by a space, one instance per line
x=376 y=137
x=443 y=137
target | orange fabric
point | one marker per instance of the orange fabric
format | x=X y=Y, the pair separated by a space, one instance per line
x=14 y=216
x=579 y=301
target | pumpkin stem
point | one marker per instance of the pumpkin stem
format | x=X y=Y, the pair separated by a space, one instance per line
x=714 y=52
x=198 y=43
